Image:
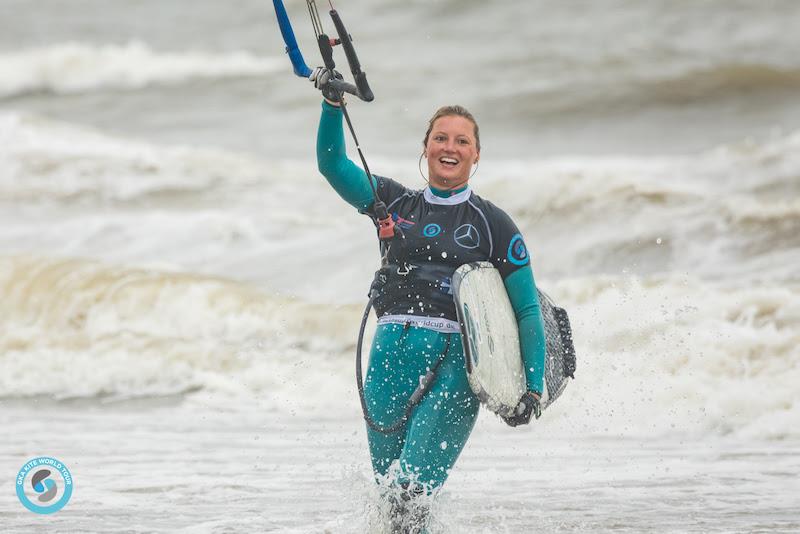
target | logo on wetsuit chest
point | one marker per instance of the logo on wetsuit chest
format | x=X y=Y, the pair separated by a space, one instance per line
x=431 y=230
x=467 y=236
x=405 y=224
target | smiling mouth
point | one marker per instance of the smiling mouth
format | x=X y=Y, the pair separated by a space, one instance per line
x=448 y=162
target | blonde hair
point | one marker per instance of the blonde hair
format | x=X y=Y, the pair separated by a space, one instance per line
x=449 y=111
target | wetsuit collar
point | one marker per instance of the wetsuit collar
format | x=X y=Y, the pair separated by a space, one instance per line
x=459 y=197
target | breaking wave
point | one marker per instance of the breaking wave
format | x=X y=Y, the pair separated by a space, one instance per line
x=634 y=90
x=74 y=328
x=656 y=355
x=70 y=68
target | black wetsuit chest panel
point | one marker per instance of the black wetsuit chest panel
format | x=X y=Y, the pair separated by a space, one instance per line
x=437 y=239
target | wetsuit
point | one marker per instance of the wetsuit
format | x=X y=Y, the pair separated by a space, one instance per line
x=417 y=322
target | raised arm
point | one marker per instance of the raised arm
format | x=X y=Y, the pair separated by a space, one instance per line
x=347 y=179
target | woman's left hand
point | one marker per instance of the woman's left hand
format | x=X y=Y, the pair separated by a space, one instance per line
x=528 y=407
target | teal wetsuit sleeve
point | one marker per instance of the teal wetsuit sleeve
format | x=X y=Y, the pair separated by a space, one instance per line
x=346 y=178
x=525 y=300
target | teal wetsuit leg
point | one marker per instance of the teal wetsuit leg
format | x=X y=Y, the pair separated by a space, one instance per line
x=442 y=422
x=429 y=443
x=392 y=376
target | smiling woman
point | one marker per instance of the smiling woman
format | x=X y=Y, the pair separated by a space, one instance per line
x=417 y=434
x=453 y=148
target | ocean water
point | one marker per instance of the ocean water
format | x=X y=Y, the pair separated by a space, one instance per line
x=180 y=290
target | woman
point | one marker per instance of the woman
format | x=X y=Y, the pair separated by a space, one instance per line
x=443 y=226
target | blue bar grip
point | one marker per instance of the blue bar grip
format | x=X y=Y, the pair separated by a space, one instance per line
x=298 y=63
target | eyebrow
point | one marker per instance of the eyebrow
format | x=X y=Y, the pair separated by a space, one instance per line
x=439 y=132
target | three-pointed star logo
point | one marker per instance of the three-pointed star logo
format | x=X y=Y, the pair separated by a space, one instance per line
x=467 y=236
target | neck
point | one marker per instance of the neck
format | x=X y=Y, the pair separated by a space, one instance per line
x=444 y=193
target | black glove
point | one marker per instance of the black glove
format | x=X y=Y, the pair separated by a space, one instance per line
x=321 y=78
x=527 y=407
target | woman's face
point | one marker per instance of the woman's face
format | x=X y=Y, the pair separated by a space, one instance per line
x=451 y=151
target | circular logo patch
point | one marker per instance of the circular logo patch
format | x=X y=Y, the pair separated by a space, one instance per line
x=467 y=236
x=517 y=252
x=431 y=230
x=44 y=485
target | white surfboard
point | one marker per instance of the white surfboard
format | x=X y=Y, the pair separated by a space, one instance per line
x=491 y=340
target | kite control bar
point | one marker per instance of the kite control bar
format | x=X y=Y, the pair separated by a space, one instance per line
x=361 y=87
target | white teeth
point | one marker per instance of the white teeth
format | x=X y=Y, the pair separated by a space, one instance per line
x=449 y=160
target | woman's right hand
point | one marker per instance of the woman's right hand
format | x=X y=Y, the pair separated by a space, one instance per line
x=320 y=77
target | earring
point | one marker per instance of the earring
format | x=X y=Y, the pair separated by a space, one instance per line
x=477 y=164
x=419 y=166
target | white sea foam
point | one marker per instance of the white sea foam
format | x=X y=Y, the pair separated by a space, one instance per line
x=580 y=216
x=75 y=67
x=656 y=355
x=681 y=281
x=716 y=213
x=97 y=330
x=660 y=355
x=47 y=160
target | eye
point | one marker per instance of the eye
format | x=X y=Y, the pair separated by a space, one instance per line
x=439 y=138
x=463 y=141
